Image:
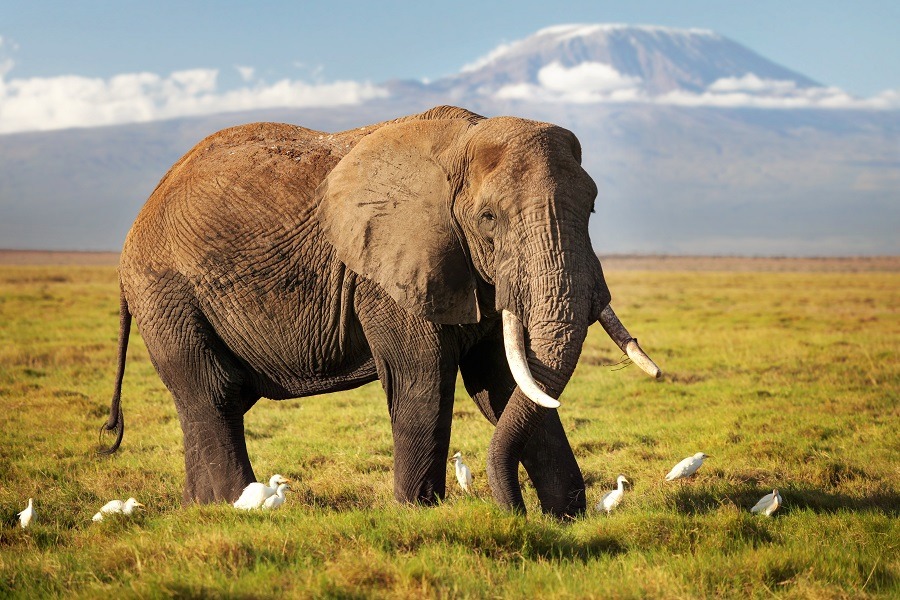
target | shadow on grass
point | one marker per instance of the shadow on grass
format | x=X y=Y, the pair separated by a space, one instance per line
x=823 y=502
x=532 y=541
x=697 y=501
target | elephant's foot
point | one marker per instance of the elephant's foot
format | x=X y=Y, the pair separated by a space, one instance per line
x=553 y=470
x=426 y=493
x=420 y=469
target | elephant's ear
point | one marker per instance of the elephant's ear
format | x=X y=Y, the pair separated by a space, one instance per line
x=386 y=209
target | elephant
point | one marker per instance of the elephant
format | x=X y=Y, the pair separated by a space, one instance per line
x=274 y=261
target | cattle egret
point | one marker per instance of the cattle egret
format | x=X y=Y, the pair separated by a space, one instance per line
x=612 y=499
x=255 y=494
x=463 y=474
x=768 y=504
x=276 y=499
x=26 y=515
x=687 y=467
x=117 y=507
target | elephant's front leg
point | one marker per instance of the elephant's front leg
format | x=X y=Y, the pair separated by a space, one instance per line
x=421 y=411
x=417 y=366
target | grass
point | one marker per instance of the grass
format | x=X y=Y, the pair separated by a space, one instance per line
x=787 y=380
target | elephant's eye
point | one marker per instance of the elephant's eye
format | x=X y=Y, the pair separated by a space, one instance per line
x=486 y=223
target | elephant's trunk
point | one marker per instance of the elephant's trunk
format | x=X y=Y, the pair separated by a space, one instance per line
x=542 y=357
x=541 y=373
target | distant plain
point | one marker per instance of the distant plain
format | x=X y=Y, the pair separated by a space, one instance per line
x=784 y=370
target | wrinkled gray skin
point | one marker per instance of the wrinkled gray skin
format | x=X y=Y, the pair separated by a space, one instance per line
x=274 y=261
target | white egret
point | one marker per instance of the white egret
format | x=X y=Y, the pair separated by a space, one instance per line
x=276 y=499
x=27 y=515
x=768 y=504
x=463 y=474
x=255 y=494
x=117 y=507
x=687 y=467
x=612 y=499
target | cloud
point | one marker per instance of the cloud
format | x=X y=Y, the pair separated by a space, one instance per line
x=583 y=83
x=755 y=92
x=591 y=82
x=7 y=47
x=246 y=73
x=74 y=101
x=751 y=83
x=585 y=78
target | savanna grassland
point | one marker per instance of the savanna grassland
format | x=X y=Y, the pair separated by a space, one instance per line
x=787 y=374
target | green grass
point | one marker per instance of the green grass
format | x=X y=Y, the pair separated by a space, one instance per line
x=787 y=380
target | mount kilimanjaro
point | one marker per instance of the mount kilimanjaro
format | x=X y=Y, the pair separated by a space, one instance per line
x=698 y=146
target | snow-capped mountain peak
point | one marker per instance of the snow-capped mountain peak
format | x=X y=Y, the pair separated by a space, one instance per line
x=588 y=29
x=648 y=60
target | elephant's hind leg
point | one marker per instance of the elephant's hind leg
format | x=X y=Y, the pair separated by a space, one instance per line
x=208 y=384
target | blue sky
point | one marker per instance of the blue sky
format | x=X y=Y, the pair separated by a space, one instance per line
x=341 y=45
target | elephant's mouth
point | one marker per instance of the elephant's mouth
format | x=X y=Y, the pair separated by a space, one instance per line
x=514 y=344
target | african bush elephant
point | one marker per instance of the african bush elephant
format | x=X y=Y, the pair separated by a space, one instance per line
x=275 y=261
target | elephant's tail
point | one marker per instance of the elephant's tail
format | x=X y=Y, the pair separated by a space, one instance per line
x=116 y=422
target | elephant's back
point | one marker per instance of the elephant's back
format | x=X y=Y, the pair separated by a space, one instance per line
x=240 y=187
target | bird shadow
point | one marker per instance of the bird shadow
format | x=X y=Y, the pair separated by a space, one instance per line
x=699 y=501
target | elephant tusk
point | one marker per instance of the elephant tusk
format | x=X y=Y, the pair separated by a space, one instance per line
x=628 y=344
x=514 y=343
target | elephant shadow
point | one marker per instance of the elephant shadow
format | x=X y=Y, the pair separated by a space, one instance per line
x=696 y=500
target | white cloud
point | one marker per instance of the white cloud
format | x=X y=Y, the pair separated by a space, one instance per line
x=583 y=83
x=74 y=101
x=7 y=46
x=246 y=73
x=591 y=82
x=755 y=92
x=751 y=83
x=584 y=78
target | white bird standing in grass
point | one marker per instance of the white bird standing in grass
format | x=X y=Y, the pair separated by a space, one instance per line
x=687 y=467
x=768 y=504
x=117 y=507
x=276 y=499
x=612 y=499
x=255 y=494
x=463 y=474
x=26 y=515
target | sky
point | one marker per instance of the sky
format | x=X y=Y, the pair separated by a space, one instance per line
x=95 y=62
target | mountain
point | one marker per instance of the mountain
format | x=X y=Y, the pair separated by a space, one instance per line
x=698 y=145
x=657 y=59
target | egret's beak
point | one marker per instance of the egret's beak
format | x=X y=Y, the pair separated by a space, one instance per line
x=139 y=505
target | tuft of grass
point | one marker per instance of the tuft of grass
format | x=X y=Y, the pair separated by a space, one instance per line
x=787 y=380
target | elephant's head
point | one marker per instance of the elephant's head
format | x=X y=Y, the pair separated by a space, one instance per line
x=462 y=219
